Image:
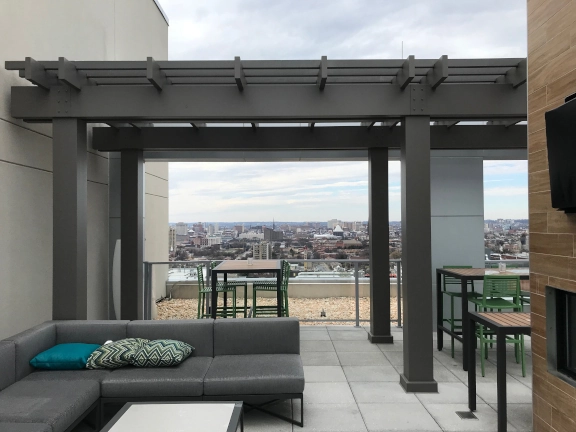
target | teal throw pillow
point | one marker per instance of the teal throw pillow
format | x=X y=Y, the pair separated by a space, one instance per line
x=64 y=356
x=116 y=354
x=162 y=353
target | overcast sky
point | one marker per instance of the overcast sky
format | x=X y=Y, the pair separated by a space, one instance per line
x=339 y=29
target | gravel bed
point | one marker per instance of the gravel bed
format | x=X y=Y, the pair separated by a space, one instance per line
x=303 y=308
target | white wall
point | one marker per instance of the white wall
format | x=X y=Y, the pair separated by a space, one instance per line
x=46 y=30
x=457 y=210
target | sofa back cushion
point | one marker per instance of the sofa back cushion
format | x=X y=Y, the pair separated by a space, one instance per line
x=90 y=332
x=198 y=333
x=31 y=342
x=256 y=336
x=7 y=364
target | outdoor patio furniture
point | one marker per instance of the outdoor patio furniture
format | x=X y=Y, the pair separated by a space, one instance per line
x=271 y=286
x=221 y=287
x=499 y=293
x=452 y=320
x=503 y=324
x=254 y=361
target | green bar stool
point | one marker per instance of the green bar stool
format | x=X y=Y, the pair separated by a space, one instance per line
x=270 y=285
x=455 y=323
x=500 y=293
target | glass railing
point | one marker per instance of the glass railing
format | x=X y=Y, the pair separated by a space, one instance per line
x=319 y=291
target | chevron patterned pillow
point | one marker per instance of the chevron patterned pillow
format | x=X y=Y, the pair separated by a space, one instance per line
x=116 y=354
x=162 y=353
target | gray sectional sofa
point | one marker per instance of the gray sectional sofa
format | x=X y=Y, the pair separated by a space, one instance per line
x=253 y=360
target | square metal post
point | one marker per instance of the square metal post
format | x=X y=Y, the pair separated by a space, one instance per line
x=132 y=235
x=418 y=374
x=69 y=277
x=379 y=251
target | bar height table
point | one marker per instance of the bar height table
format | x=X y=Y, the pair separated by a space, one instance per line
x=503 y=323
x=464 y=275
x=245 y=267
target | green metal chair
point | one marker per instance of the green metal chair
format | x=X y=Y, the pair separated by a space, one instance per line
x=500 y=293
x=455 y=323
x=270 y=285
x=221 y=287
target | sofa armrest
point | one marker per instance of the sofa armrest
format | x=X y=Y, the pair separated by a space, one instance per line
x=256 y=336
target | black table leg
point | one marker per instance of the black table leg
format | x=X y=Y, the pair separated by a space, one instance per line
x=214 y=302
x=472 y=367
x=278 y=292
x=439 y=312
x=501 y=379
x=465 y=323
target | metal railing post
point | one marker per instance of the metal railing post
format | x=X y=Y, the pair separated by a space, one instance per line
x=399 y=293
x=357 y=294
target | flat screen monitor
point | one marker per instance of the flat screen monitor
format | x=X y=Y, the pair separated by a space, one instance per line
x=561 y=142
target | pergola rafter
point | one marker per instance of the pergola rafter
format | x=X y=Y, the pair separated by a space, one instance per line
x=380 y=94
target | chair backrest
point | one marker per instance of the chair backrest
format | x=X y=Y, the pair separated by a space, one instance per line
x=502 y=286
x=200 y=276
x=449 y=280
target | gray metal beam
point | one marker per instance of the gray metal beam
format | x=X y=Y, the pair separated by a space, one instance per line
x=418 y=374
x=379 y=251
x=302 y=138
x=153 y=73
x=132 y=234
x=69 y=271
x=271 y=103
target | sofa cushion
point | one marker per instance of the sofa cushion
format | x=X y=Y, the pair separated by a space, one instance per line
x=77 y=375
x=115 y=354
x=55 y=403
x=256 y=336
x=185 y=379
x=198 y=333
x=93 y=331
x=254 y=374
x=24 y=427
x=68 y=356
x=31 y=342
x=7 y=364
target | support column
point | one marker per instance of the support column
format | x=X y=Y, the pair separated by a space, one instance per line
x=379 y=251
x=132 y=234
x=418 y=374
x=69 y=277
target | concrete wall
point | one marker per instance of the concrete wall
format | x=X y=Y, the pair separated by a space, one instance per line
x=457 y=207
x=551 y=77
x=45 y=30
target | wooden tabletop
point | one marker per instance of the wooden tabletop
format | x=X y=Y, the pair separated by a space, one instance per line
x=507 y=319
x=244 y=265
x=481 y=272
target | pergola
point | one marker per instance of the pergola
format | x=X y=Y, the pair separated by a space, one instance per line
x=410 y=104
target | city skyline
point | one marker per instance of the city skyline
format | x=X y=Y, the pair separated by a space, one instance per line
x=338 y=29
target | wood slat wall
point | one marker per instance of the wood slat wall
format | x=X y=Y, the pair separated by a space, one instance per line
x=551 y=77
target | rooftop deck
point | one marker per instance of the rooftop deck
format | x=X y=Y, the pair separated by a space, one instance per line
x=352 y=385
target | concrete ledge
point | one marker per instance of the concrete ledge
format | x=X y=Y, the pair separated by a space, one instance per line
x=385 y=339
x=418 y=386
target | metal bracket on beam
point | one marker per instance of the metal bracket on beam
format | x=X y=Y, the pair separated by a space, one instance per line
x=36 y=74
x=198 y=125
x=407 y=73
x=447 y=123
x=438 y=74
x=67 y=73
x=154 y=74
x=322 y=73
x=505 y=123
x=239 y=76
x=390 y=123
x=515 y=76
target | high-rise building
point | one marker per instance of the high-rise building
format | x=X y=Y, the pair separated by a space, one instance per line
x=262 y=250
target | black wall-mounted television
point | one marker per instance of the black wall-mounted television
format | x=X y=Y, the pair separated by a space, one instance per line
x=561 y=141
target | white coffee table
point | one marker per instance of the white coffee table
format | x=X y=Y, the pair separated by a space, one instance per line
x=178 y=417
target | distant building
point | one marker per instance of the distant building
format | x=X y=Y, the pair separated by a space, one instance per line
x=272 y=235
x=181 y=228
x=262 y=251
